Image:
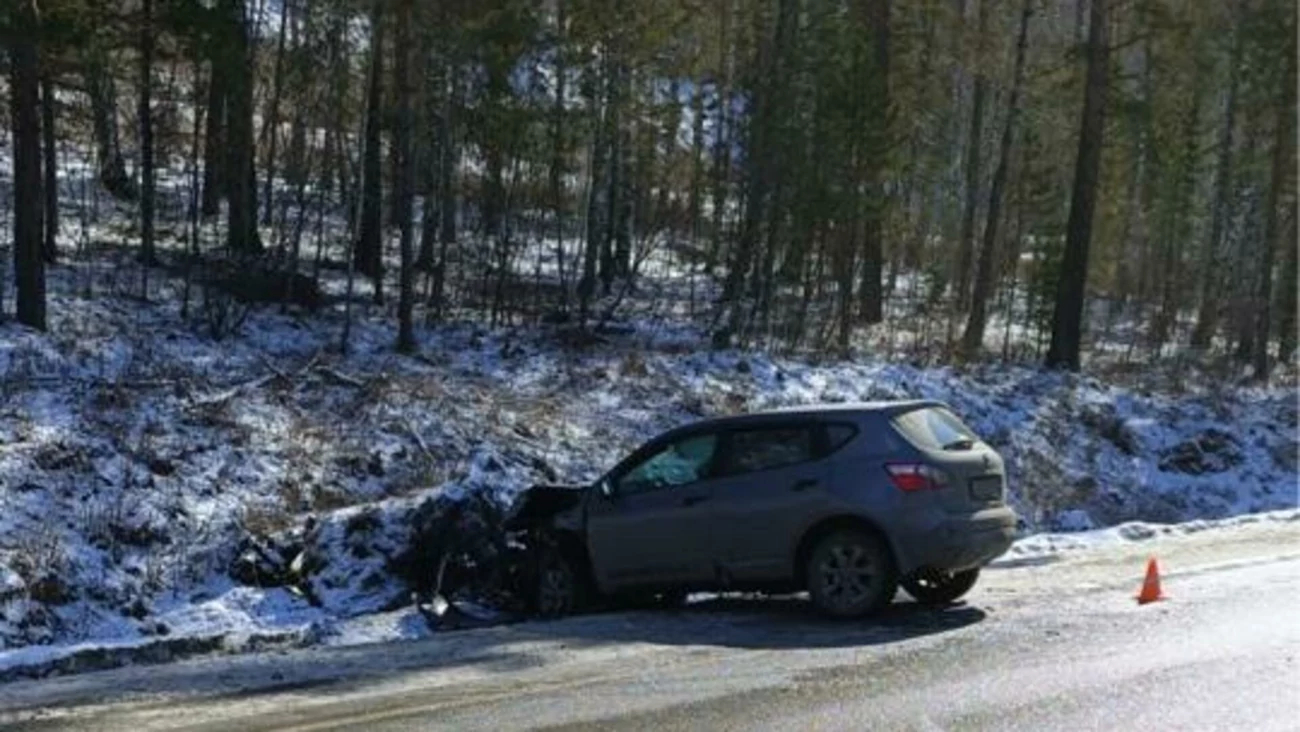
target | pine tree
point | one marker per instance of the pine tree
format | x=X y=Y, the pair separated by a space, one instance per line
x=369 y=249
x=24 y=70
x=405 y=184
x=973 y=338
x=1071 y=292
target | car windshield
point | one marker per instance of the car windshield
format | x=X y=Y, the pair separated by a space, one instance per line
x=935 y=428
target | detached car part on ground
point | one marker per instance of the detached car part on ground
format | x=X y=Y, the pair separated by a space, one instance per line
x=845 y=501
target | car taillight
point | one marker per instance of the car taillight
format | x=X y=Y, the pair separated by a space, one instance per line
x=916 y=476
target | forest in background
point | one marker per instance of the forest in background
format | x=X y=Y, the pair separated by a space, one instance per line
x=1088 y=178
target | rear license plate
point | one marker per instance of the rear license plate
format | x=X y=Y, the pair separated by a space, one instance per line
x=988 y=488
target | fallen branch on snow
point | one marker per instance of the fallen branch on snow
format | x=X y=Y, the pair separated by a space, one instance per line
x=340 y=377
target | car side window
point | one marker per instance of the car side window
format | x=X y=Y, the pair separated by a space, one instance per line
x=770 y=447
x=837 y=436
x=678 y=463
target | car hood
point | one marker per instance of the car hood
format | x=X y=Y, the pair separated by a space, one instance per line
x=542 y=502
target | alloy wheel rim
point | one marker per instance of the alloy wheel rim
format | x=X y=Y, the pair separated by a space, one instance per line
x=848 y=575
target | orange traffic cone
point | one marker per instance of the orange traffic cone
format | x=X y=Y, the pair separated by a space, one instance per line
x=1151 y=586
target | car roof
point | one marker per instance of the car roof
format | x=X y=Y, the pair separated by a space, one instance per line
x=888 y=408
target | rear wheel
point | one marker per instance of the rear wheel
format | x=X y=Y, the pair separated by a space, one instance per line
x=851 y=574
x=932 y=587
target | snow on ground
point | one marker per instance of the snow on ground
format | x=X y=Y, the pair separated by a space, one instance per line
x=137 y=456
x=141 y=461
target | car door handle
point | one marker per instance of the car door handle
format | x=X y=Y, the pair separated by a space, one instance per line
x=803 y=485
x=692 y=500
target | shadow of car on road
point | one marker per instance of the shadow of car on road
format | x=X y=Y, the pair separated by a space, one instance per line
x=757 y=623
x=737 y=622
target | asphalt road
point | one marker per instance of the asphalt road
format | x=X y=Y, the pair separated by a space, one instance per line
x=1055 y=646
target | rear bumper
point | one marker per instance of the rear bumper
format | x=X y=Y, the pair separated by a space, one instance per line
x=958 y=543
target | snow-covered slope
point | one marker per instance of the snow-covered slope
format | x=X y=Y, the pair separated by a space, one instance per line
x=138 y=458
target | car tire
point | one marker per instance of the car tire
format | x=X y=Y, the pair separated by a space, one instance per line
x=559 y=588
x=851 y=574
x=940 y=588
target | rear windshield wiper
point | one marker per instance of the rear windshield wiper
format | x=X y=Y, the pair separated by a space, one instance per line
x=964 y=443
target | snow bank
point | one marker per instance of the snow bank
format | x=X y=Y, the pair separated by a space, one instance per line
x=1129 y=532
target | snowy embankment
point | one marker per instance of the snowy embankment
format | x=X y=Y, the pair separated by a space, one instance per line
x=1053 y=544
x=154 y=483
x=245 y=633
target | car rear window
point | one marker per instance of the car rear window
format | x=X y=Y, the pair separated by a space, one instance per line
x=838 y=435
x=934 y=428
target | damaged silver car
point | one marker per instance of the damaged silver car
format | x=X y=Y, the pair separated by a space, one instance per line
x=847 y=502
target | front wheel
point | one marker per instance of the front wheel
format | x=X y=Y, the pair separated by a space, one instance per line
x=931 y=587
x=851 y=574
x=559 y=586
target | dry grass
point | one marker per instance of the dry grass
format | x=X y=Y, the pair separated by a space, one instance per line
x=265 y=518
x=40 y=558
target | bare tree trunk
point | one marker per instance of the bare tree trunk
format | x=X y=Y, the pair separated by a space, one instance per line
x=148 y=256
x=450 y=160
x=492 y=202
x=594 y=236
x=272 y=123
x=846 y=246
x=557 y=151
x=241 y=229
x=1287 y=290
x=298 y=163
x=1243 y=271
x=697 y=164
x=25 y=74
x=1174 y=226
x=50 y=190
x=405 y=183
x=1071 y=292
x=447 y=172
x=192 y=246
x=974 y=149
x=1207 y=315
x=624 y=195
x=369 y=249
x=973 y=338
x=758 y=172
x=214 y=150
x=431 y=95
x=871 y=294
x=368 y=125
x=299 y=71
x=334 y=171
x=1281 y=190
x=103 y=99
x=609 y=262
x=724 y=141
